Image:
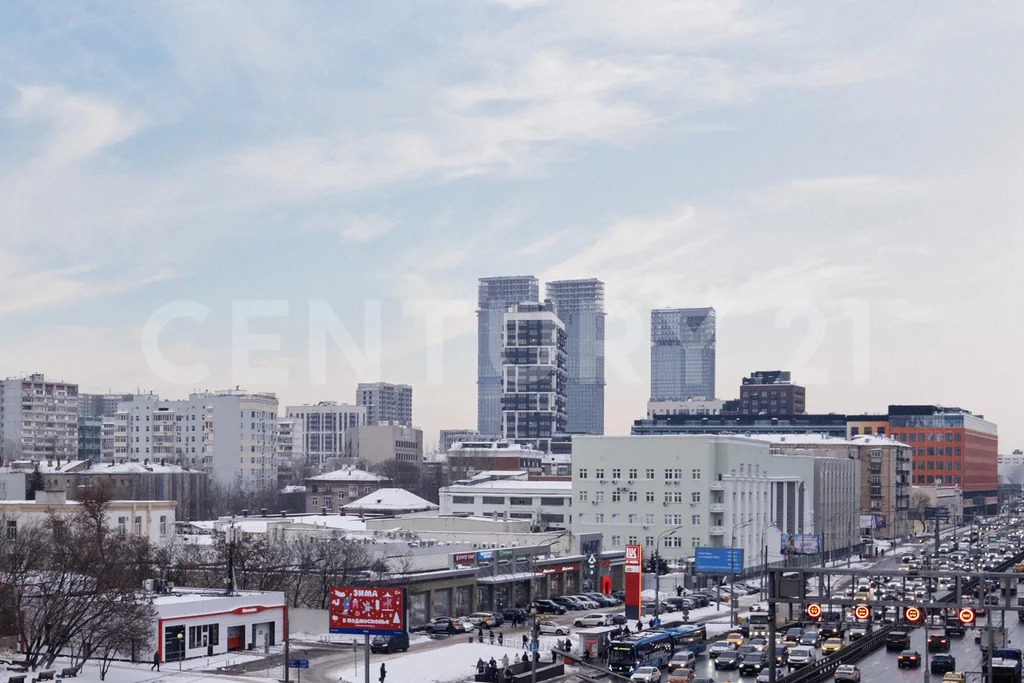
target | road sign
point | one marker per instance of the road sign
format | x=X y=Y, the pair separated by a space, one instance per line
x=966 y=616
x=298 y=663
x=939 y=513
x=534 y=646
x=718 y=560
x=367 y=610
x=814 y=611
x=912 y=615
x=862 y=612
x=591 y=560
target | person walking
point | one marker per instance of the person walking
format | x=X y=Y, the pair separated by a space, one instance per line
x=504 y=661
x=490 y=633
x=508 y=675
x=526 y=642
x=639 y=626
x=480 y=635
x=383 y=672
x=501 y=638
x=480 y=666
x=156 y=661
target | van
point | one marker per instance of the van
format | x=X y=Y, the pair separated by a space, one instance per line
x=389 y=644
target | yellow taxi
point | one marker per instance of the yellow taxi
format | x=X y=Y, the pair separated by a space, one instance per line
x=831 y=645
x=735 y=639
x=954 y=677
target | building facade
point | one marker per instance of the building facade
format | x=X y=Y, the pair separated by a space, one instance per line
x=469 y=458
x=677 y=493
x=579 y=304
x=547 y=504
x=153 y=519
x=38 y=419
x=325 y=428
x=681 y=423
x=105 y=405
x=771 y=392
x=329 y=492
x=386 y=403
x=450 y=437
x=658 y=409
x=683 y=354
x=495 y=296
x=90 y=437
x=533 y=399
x=371 y=444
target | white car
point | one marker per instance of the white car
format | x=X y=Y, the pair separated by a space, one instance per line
x=684 y=659
x=593 y=619
x=800 y=656
x=467 y=625
x=551 y=628
x=848 y=672
x=647 y=674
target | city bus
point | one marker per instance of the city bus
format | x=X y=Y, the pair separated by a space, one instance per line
x=692 y=637
x=640 y=649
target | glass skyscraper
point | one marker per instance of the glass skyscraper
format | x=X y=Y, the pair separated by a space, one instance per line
x=682 y=354
x=579 y=304
x=495 y=296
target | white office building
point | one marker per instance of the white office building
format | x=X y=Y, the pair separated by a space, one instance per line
x=688 y=491
x=325 y=427
x=545 y=503
x=38 y=419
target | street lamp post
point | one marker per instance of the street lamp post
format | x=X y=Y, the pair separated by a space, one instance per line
x=732 y=571
x=764 y=547
x=657 y=567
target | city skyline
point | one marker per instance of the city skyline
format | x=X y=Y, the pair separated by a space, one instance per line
x=788 y=166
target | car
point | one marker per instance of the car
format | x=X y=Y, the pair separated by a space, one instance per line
x=548 y=607
x=602 y=599
x=587 y=601
x=847 y=672
x=831 y=645
x=909 y=659
x=569 y=602
x=782 y=652
x=730 y=659
x=759 y=644
x=551 y=628
x=517 y=613
x=390 y=644
x=954 y=677
x=810 y=638
x=619 y=618
x=735 y=638
x=859 y=630
x=684 y=659
x=938 y=642
x=466 y=624
x=483 y=619
x=800 y=656
x=682 y=676
x=897 y=640
x=498 y=619
x=444 y=625
x=718 y=647
x=793 y=634
x=592 y=619
x=646 y=674
x=753 y=663
x=942 y=663
x=764 y=676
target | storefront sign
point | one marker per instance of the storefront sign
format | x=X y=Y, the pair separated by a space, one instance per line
x=464 y=558
x=360 y=609
x=483 y=555
x=634 y=580
x=505 y=553
x=255 y=609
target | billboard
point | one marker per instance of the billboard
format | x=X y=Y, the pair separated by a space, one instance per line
x=872 y=522
x=939 y=513
x=799 y=544
x=718 y=560
x=634 y=580
x=363 y=609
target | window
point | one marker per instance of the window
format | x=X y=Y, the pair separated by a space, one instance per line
x=648 y=519
x=695 y=474
x=695 y=520
x=631 y=519
x=122 y=522
x=582 y=473
x=583 y=496
x=314 y=503
x=648 y=540
x=649 y=496
x=203 y=636
x=138 y=526
x=616 y=496
x=632 y=496
x=599 y=474
x=632 y=540
x=650 y=473
x=514 y=500
x=695 y=497
x=163 y=525
x=616 y=473
x=616 y=518
x=493 y=500
x=616 y=540
x=673 y=520
x=632 y=473
x=673 y=542
x=599 y=518
x=12 y=530
x=468 y=500
x=599 y=496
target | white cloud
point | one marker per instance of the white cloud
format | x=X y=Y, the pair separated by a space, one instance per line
x=367 y=228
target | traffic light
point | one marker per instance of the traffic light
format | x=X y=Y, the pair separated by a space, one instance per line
x=966 y=616
x=912 y=615
x=862 y=612
x=813 y=611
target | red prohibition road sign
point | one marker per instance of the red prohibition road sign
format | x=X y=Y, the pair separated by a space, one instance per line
x=862 y=612
x=966 y=615
x=913 y=614
x=814 y=610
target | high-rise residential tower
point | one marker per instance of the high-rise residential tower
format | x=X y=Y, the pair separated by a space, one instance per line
x=682 y=354
x=495 y=295
x=535 y=376
x=579 y=304
x=386 y=403
x=38 y=419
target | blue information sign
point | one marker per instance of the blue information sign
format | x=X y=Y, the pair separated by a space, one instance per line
x=298 y=663
x=719 y=560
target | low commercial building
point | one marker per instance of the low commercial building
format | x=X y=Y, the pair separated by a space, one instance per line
x=924 y=497
x=693 y=406
x=388 y=502
x=333 y=490
x=372 y=444
x=545 y=504
x=154 y=519
x=470 y=457
x=196 y=622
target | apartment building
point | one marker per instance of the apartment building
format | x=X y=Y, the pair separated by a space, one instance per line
x=38 y=418
x=386 y=403
x=546 y=504
x=325 y=429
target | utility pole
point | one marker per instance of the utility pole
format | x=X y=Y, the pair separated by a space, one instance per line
x=534 y=644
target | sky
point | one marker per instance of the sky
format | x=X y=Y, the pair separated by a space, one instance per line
x=295 y=197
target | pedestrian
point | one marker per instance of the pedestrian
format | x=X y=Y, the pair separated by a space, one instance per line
x=383 y=672
x=501 y=638
x=504 y=661
x=679 y=591
x=480 y=635
x=554 y=655
x=508 y=675
x=516 y=660
x=586 y=655
x=639 y=626
x=526 y=641
x=491 y=634
x=156 y=661
x=480 y=666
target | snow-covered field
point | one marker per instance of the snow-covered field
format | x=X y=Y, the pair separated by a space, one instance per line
x=191 y=671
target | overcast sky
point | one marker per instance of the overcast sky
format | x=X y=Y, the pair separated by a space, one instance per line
x=842 y=181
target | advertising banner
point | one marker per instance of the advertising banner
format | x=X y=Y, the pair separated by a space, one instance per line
x=634 y=580
x=867 y=521
x=362 y=609
x=799 y=544
x=718 y=560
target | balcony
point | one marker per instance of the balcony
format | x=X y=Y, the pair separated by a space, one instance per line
x=717 y=486
x=717 y=531
x=717 y=507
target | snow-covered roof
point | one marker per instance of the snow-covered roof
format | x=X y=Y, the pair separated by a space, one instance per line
x=84 y=466
x=258 y=525
x=388 y=500
x=513 y=485
x=349 y=474
x=293 y=489
x=809 y=439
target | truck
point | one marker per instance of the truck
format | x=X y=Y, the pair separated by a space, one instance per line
x=995 y=634
x=756 y=623
x=832 y=624
x=1006 y=665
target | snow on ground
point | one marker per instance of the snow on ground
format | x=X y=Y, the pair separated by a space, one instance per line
x=126 y=672
x=452 y=664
